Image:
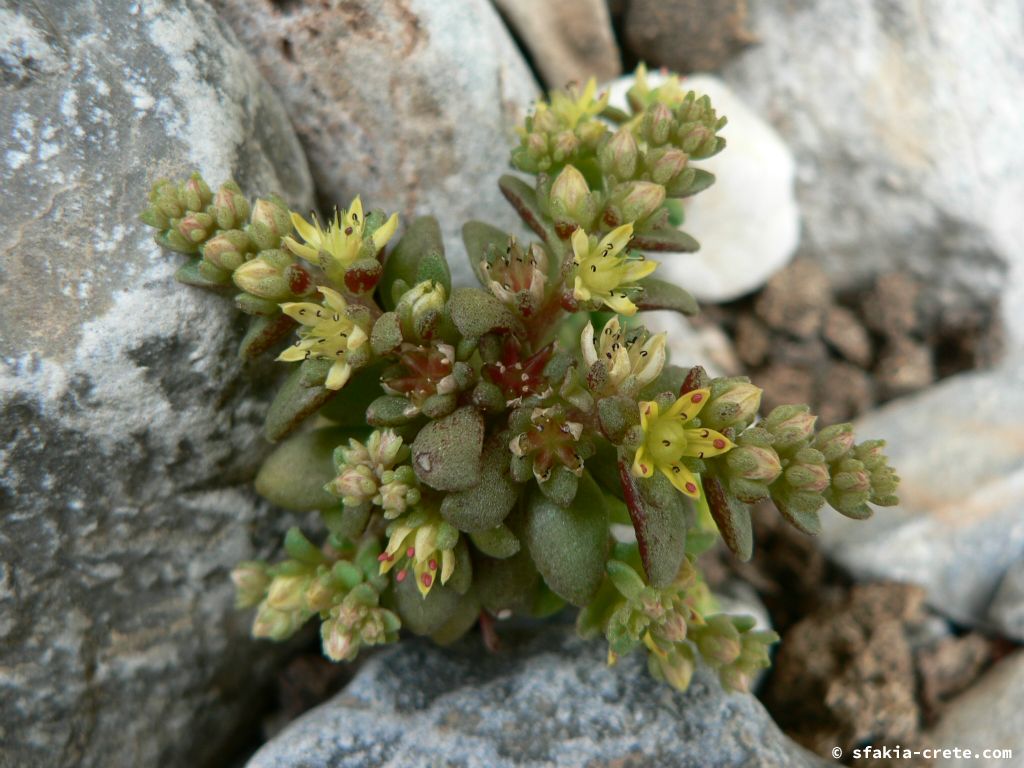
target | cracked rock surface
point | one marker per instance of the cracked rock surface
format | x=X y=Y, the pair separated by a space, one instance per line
x=128 y=430
x=549 y=699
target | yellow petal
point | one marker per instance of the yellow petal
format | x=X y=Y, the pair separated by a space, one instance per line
x=334 y=299
x=384 y=233
x=616 y=240
x=705 y=443
x=303 y=311
x=356 y=337
x=580 y=245
x=620 y=303
x=447 y=565
x=682 y=479
x=338 y=375
x=689 y=405
x=306 y=252
x=355 y=214
x=637 y=270
x=308 y=232
x=580 y=292
x=648 y=413
x=587 y=344
x=292 y=354
x=642 y=465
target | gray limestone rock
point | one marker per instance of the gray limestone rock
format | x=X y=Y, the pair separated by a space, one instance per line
x=411 y=103
x=959 y=526
x=906 y=131
x=986 y=723
x=128 y=429
x=546 y=700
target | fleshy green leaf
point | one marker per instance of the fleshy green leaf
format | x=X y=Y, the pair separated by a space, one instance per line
x=700 y=181
x=731 y=516
x=189 y=274
x=523 y=198
x=498 y=542
x=425 y=615
x=292 y=405
x=476 y=313
x=506 y=584
x=569 y=545
x=264 y=332
x=446 y=452
x=294 y=474
x=483 y=507
x=660 y=294
x=668 y=239
x=658 y=512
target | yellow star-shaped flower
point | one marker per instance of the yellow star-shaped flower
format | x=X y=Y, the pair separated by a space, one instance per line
x=667 y=439
x=341 y=240
x=605 y=272
x=326 y=333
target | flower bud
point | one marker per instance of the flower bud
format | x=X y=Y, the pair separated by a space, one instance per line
x=420 y=309
x=275 y=624
x=618 y=155
x=196 y=227
x=734 y=403
x=835 y=441
x=812 y=478
x=320 y=593
x=657 y=124
x=666 y=164
x=564 y=145
x=230 y=206
x=676 y=667
x=251 y=582
x=355 y=485
x=287 y=591
x=264 y=276
x=570 y=200
x=634 y=201
x=228 y=250
x=754 y=463
x=790 y=425
x=195 y=193
x=270 y=221
x=164 y=198
x=339 y=642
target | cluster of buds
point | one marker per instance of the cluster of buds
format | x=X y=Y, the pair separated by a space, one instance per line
x=469 y=449
x=356 y=621
x=344 y=591
x=561 y=130
x=732 y=646
x=783 y=458
x=672 y=623
x=375 y=472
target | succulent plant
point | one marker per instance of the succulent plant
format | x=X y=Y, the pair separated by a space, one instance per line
x=470 y=448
